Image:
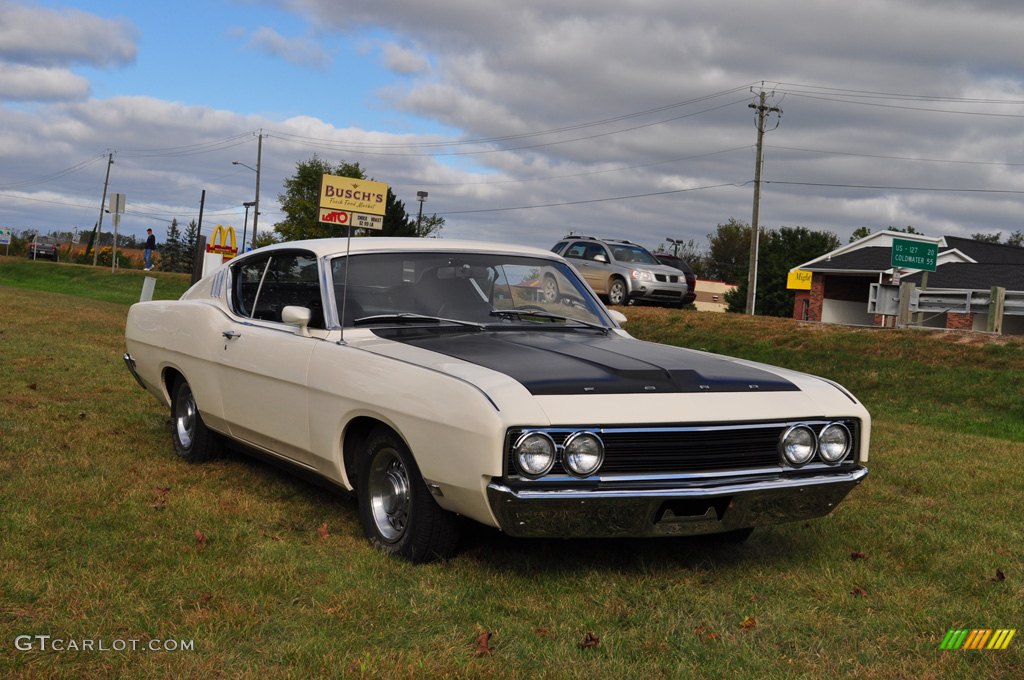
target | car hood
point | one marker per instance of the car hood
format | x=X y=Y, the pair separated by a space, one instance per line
x=565 y=362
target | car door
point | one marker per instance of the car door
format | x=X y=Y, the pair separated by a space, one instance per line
x=582 y=256
x=265 y=362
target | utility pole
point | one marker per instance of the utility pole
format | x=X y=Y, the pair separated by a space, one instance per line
x=763 y=111
x=256 y=214
x=99 y=223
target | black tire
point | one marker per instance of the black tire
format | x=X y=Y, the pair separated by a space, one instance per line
x=396 y=510
x=618 y=294
x=193 y=441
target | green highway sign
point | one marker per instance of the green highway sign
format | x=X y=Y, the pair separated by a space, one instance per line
x=914 y=254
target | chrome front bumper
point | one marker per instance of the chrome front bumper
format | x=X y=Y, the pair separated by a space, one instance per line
x=679 y=511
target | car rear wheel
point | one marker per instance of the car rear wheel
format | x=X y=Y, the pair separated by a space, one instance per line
x=193 y=441
x=617 y=293
x=396 y=510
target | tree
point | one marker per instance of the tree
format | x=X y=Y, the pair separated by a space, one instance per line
x=988 y=238
x=172 y=253
x=729 y=252
x=300 y=202
x=780 y=250
x=906 y=230
x=1016 y=239
x=859 y=233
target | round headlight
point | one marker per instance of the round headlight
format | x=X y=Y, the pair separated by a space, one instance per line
x=834 y=443
x=534 y=454
x=798 y=444
x=583 y=454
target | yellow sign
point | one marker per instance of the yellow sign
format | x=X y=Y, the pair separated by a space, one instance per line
x=218 y=243
x=799 y=280
x=353 y=195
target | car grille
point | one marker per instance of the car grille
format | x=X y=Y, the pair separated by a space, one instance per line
x=683 y=449
x=663 y=278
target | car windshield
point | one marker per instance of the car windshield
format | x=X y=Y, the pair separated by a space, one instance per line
x=626 y=253
x=482 y=288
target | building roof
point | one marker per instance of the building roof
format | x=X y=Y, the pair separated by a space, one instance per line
x=986 y=253
x=870 y=260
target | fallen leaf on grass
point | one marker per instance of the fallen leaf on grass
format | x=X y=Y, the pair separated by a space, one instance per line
x=748 y=623
x=545 y=632
x=323 y=531
x=590 y=640
x=200 y=539
x=204 y=599
x=858 y=555
x=999 y=577
x=161 y=497
x=33 y=386
x=858 y=592
x=483 y=644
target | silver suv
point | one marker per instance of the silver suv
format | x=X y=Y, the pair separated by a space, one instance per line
x=621 y=271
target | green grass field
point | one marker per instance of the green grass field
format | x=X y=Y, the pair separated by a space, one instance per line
x=106 y=536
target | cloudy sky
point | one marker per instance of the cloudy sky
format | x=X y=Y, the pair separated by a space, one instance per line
x=523 y=120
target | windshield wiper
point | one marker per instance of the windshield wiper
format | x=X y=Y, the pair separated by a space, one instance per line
x=409 y=317
x=520 y=313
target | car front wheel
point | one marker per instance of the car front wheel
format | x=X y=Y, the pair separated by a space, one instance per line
x=193 y=441
x=617 y=293
x=396 y=510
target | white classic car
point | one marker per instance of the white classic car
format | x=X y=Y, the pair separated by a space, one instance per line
x=435 y=379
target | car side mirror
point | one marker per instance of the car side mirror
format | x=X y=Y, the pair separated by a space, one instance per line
x=617 y=316
x=297 y=316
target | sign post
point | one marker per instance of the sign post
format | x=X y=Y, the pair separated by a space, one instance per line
x=5 y=238
x=351 y=202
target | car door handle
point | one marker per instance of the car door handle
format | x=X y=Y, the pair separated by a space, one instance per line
x=231 y=335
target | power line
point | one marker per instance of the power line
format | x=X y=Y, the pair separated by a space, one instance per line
x=595 y=200
x=898 y=188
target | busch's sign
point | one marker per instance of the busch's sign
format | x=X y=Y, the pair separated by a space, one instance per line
x=353 y=195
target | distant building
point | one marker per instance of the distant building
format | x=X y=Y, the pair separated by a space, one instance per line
x=841 y=281
x=711 y=295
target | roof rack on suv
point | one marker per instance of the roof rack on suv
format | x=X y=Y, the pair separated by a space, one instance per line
x=596 y=238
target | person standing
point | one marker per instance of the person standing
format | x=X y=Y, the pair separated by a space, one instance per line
x=150 y=247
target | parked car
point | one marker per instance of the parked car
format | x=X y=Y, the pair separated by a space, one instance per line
x=683 y=266
x=622 y=272
x=435 y=379
x=44 y=246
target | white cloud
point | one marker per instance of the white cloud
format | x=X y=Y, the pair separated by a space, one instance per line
x=36 y=35
x=36 y=83
x=298 y=51
x=405 y=61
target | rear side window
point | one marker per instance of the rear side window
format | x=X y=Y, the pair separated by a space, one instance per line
x=264 y=286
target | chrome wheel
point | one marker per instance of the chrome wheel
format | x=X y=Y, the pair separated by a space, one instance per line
x=193 y=441
x=185 y=417
x=390 y=494
x=550 y=289
x=617 y=292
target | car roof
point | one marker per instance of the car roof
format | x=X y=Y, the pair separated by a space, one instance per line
x=323 y=247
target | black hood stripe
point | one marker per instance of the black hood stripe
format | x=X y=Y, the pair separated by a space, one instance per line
x=556 y=362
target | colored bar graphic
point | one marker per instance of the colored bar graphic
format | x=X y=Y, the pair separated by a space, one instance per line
x=977 y=639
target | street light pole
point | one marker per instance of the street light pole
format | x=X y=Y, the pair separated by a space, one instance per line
x=421 y=196
x=256 y=203
x=245 y=225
